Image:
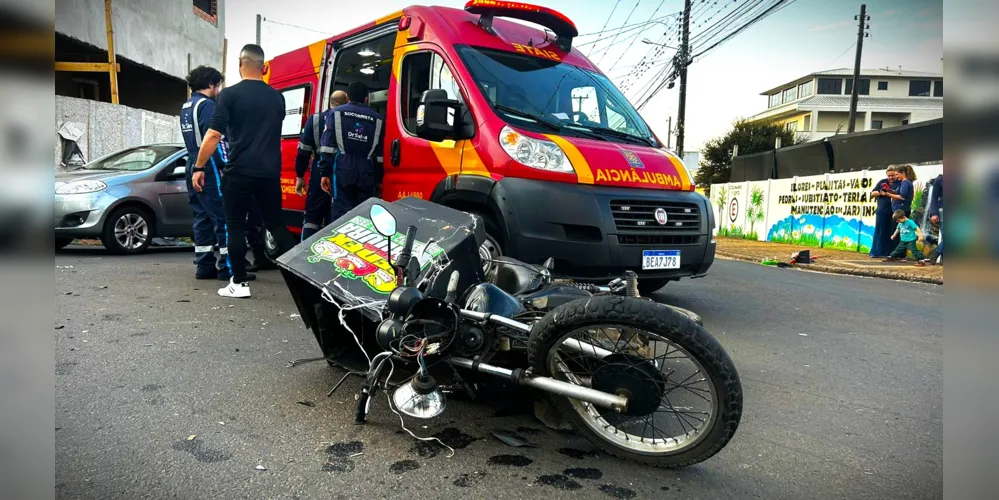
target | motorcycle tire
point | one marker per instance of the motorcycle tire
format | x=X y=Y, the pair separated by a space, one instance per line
x=674 y=327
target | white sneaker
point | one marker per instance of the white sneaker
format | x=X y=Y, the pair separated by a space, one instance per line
x=235 y=290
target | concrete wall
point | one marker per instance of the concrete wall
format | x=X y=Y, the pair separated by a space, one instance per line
x=829 y=120
x=108 y=127
x=155 y=33
x=890 y=119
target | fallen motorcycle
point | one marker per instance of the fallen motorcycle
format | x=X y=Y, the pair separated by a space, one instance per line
x=642 y=380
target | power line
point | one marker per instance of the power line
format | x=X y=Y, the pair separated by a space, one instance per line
x=651 y=59
x=615 y=36
x=852 y=45
x=295 y=26
x=639 y=33
x=652 y=21
x=607 y=21
x=780 y=4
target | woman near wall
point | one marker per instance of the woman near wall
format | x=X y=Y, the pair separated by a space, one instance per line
x=884 y=226
x=901 y=199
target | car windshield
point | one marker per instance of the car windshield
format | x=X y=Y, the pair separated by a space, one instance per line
x=133 y=160
x=522 y=86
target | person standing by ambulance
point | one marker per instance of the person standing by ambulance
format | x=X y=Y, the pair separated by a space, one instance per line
x=317 y=201
x=350 y=152
x=209 y=215
x=250 y=114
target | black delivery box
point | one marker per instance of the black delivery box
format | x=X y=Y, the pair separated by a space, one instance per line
x=347 y=258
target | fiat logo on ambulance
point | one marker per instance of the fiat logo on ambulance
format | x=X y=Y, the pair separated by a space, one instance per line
x=661 y=216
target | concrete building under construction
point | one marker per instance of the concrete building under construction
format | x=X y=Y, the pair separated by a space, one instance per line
x=155 y=43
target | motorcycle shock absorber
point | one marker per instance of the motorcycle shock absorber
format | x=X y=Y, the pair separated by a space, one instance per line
x=631 y=284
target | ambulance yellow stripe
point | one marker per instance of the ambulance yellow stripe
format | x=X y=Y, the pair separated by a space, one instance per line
x=583 y=171
x=391 y=17
x=448 y=155
x=681 y=172
x=316 y=51
x=471 y=164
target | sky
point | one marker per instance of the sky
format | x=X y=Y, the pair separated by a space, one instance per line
x=723 y=85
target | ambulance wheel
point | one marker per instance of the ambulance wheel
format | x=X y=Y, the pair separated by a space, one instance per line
x=491 y=248
x=270 y=245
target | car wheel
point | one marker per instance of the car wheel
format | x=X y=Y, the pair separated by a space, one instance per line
x=128 y=230
x=61 y=243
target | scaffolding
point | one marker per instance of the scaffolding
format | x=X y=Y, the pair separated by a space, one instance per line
x=111 y=67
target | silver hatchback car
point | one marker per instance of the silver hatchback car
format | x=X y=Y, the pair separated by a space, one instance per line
x=126 y=199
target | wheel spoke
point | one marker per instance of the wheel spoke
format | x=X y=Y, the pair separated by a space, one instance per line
x=631 y=350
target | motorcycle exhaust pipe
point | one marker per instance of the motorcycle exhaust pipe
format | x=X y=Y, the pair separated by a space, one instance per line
x=548 y=384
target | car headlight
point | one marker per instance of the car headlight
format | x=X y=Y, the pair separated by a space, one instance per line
x=81 y=187
x=535 y=153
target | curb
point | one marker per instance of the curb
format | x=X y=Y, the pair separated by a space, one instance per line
x=867 y=273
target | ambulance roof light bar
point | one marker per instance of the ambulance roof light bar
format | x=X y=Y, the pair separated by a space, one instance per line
x=564 y=29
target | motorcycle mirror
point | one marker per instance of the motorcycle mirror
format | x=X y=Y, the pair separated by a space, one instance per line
x=383 y=220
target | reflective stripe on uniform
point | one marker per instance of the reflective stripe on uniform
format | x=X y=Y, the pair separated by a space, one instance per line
x=317 y=134
x=224 y=250
x=204 y=248
x=378 y=135
x=338 y=130
x=197 y=124
x=310 y=225
x=304 y=147
x=327 y=149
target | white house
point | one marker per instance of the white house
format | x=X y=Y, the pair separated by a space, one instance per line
x=818 y=105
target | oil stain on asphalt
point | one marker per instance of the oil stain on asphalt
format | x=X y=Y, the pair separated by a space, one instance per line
x=584 y=473
x=617 y=492
x=404 y=466
x=511 y=460
x=577 y=453
x=338 y=456
x=450 y=436
x=200 y=452
x=559 y=482
x=468 y=480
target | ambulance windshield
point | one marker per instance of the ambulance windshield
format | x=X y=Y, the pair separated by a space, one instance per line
x=521 y=85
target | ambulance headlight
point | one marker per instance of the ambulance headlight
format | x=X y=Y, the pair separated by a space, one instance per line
x=535 y=153
x=81 y=187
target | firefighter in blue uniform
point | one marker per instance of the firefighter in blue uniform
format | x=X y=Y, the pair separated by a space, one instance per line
x=317 y=201
x=209 y=216
x=350 y=152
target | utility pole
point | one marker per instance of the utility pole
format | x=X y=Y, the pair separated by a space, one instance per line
x=669 y=132
x=258 y=28
x=684 y=56
x=861 y=33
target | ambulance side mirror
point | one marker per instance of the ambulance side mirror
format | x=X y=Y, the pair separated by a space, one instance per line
x=437 y=115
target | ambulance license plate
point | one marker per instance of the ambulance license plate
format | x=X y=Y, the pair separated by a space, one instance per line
x=660 y=259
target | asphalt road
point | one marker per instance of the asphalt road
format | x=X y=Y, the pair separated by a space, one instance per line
x=842 y=378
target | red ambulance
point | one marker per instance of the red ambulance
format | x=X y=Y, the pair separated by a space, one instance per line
x=508 y=121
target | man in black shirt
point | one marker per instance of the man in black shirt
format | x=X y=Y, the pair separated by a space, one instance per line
x=249 y=114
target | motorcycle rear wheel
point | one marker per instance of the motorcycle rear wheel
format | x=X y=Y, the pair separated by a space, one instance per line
x=631 y=335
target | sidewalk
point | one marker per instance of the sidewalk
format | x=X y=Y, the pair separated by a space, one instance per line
x=829 y=261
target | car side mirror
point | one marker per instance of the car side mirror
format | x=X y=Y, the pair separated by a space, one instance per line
x=179 y=172
x=437 y=116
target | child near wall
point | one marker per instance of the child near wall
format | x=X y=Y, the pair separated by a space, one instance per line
x=908 y=234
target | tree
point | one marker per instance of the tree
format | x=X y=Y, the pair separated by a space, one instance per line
x=755 y=212
x=716 y=159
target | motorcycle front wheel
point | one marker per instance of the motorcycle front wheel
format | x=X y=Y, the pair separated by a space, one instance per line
x=684 y=394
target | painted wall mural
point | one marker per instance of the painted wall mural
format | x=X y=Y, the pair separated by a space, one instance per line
x=827 y=211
